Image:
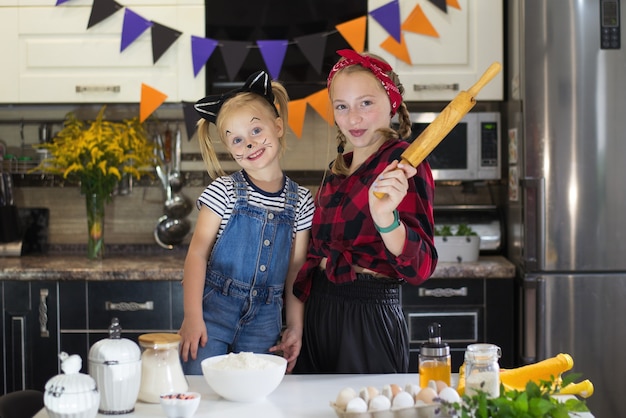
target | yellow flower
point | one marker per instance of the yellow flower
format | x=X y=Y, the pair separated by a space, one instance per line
x=99 y=153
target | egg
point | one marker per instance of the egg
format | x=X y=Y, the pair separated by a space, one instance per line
x=402 y=400
x=440 y=384
x=356 y=405
x=391 y=390
x=433 y=385
x=379 y=403
x=345 y=395
x=412 y=388
x=427 y=395
x=367 y=393
x=450 y=395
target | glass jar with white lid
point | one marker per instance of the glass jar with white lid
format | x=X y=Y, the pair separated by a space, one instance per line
x=161 y=370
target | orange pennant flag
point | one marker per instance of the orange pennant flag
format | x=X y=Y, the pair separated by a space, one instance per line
x=417 y=22
x=321 y=103
x=353 y=31
x=398 y=50
x=297 y=110
x=453 y=3
x=151 y=99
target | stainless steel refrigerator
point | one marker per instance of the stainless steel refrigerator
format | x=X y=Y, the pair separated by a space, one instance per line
x=566 y=120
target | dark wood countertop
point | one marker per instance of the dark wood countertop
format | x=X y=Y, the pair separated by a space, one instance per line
x=170 y=267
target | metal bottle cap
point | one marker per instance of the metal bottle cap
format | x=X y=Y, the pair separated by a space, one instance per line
x=435 y=347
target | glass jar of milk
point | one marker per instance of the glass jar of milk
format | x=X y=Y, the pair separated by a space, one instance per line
x=161 y=371
x=482 y=371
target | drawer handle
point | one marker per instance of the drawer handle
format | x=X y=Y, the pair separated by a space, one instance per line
x=443 y=292
x=43 y=313
x=98 y=89
x=436 y=87
x=129 y=306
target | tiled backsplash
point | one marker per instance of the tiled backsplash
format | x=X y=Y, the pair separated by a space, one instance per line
x=131 y=219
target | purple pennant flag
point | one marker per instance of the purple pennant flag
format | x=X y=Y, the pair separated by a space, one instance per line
x=389 y=18
x=61 y=2
x=201 y=51
x=162 y=38
x=133 y=26
x=191 y=119
x=313 y=47
x=100 y=10
x=441 y=4
x=234 y=54
x=273 y=53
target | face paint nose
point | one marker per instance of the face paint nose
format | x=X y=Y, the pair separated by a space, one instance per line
x=249 y=145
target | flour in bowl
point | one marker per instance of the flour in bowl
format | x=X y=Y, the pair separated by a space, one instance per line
x=242 y=361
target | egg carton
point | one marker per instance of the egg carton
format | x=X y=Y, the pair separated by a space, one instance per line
x=434 y=410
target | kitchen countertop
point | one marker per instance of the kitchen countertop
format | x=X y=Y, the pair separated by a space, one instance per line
x=170 y=267
x=296 y=396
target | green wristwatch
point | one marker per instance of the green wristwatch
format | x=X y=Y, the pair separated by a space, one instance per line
x=394 y=224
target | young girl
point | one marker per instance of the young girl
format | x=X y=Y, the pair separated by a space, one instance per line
x=364 y=247
x=251 y=234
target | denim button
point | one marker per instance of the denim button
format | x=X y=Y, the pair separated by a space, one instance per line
x=270 y=216
x=266 y=242
x=262 y=268
x=255 y=292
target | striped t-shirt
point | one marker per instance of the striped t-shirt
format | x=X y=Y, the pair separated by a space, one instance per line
x=220 y=197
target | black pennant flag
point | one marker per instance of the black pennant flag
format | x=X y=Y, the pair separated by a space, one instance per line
x=162 y=38
x=234 y=54
x=101 y=9
x=313 y=47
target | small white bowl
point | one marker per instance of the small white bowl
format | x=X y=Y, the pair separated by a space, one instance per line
x=180 y=405
x=245 y=381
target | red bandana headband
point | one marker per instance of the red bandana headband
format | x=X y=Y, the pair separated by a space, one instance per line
x=376 y=66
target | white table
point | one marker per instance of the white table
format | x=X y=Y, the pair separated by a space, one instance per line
x=298 y=396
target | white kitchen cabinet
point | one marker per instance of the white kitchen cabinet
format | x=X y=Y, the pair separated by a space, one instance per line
x=51 y=56
x=470 y=39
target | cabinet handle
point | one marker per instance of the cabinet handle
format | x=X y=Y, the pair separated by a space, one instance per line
x=43 y=313
x=443 y=292
x=98 y=89
x=18 y=335
x=439 y=87
x=129 y=306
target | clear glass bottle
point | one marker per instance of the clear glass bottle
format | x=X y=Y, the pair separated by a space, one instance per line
x=161 y=371
x=482 y=370
x=434 y=358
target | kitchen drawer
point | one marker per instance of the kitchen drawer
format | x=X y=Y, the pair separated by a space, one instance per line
x=144 y=305
x=445 y=291
x=458 y=326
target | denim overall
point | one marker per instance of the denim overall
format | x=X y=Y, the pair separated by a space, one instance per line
x=243 y=292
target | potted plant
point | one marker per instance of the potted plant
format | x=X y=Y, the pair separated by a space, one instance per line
x=457 y=243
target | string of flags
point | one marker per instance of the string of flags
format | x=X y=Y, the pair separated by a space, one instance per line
x=272 y=51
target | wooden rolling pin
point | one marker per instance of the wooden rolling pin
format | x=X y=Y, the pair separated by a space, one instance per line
x=449 y=117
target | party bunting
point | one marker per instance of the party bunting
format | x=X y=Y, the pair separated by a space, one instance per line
x=313 y=47
x=353 y=31
x=453 y=3
x=321 y=103
x=133 y=26
x=234 y=54
x=297 y=110
x=100 y=10
x=201 y=51
x=399 y=50
x=162 y=38
x=388 y=16
x=273 y=53
x=61 y=2
x=417 y=22
x=151 y=99
x=191 y=119
x=441 y=4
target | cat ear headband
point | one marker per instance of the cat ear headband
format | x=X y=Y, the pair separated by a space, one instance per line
x=259 y=83
x=376 y=66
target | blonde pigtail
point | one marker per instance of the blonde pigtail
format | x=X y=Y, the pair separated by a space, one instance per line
x=207 y=150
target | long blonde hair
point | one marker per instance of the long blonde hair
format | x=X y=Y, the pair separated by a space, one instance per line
x=205 y=139
x=404 y=130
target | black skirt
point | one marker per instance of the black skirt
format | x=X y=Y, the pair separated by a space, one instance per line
x=356 y=327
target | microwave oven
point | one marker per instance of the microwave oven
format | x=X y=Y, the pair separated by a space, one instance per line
x=470 y=151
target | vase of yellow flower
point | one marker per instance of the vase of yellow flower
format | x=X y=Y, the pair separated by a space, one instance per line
x=97 y=155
